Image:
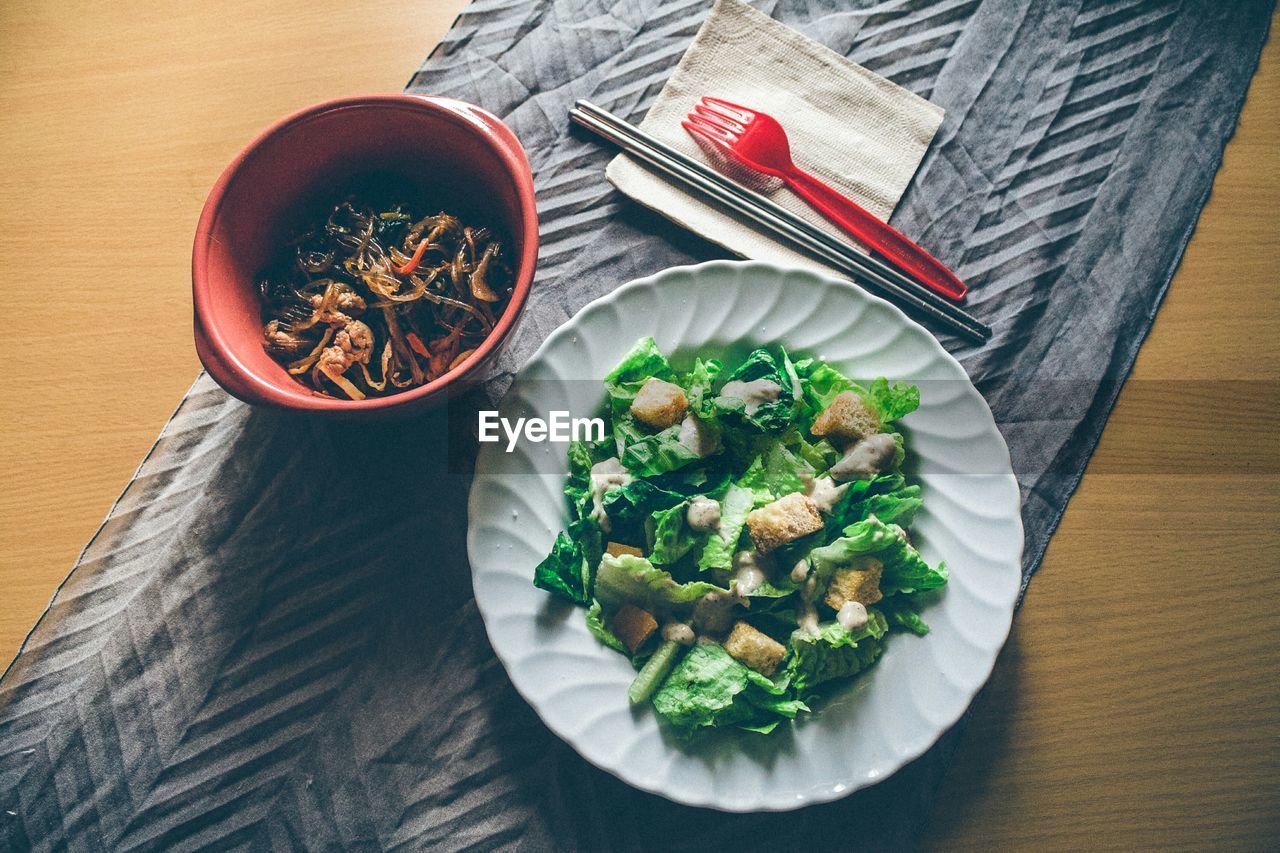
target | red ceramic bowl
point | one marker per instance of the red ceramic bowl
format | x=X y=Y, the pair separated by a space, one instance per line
x=457 y=156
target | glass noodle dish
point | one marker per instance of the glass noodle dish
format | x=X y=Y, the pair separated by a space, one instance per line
x=741 y=533
x=373 y=301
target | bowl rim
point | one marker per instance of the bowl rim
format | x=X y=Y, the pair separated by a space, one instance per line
x=220 y=360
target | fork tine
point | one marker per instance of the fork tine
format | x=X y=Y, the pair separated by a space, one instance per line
x=698 y=127
x=729 y=110
x=716 y=119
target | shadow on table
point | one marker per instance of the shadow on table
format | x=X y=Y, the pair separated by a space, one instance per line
x=984 y=753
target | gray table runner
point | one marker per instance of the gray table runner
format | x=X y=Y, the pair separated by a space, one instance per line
x=271 y=643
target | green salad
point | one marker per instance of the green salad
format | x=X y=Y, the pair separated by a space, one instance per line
x=741 y=533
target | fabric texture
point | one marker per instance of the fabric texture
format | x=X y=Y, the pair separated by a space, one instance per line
x=857 y=131
x=270 y=643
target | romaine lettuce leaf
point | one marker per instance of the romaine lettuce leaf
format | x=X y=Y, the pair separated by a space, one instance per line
x=773 y=417
x=577 y=488
x=601 y=631
x=644 y=360
x=887 y=496
x=775 y=473
x=897 y=507
x=628 y=579
x=820 y=384
x=719 y=550
x=819 y=455
x=672 y=537
x=900 y=612
x=657 y=454
x=794 y=386
x=565 y=570
x=834 y=652
x=698 y=384
x=630 y=506
x=710 y=688
x=904 y=569
x=893 y=401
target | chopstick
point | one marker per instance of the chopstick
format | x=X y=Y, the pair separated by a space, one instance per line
x=880 y=277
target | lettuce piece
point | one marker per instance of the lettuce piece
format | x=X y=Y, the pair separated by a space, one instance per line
x=630 y=506
x=711 y=480
x=601 y=631
x=897 y=507
x=893 y=401
x=672 y=538
x=888 y=497
x=565 y=571
x=719 y=550
x=820 y=384
x=658 y=454
x=819 y=455
x=628 y=579
x=577 y=488
x=644 y=360
x=900 y=612
x=709 y=688
x=779 y=588
x=774 y=417
x=742 y=446
x=698 y=385
x=904 y=569
x=793 y=386
x=834 y=652
x=776 y=473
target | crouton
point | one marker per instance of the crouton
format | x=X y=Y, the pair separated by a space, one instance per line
x=860 y=583
x=754 y=649
x=617 y=549
x=785 y=520
x=848 y=419
x=659 y=404
x=633 y=626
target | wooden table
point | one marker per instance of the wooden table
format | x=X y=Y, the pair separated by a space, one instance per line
x=1136 y=704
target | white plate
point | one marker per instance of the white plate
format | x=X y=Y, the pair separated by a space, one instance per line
x=869 y=728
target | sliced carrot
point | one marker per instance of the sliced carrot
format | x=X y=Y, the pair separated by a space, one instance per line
x=412 y=263
x=417 y=345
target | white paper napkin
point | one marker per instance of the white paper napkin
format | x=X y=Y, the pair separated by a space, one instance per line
x=857 y=131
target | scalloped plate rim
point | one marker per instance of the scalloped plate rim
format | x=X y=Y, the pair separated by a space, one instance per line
x=819 y=793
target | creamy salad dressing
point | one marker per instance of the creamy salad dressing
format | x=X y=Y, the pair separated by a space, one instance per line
x=703 y=514
x=698 y=437
x=753 y=394
x=605 y=474
x=825 y=493
x=852 y=616
x=678 y=632
x=713 y=614
x=866 y=458
x=806 y=613
x=800 y=571
x=751 y=569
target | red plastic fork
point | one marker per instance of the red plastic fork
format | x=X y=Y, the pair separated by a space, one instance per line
x=757 y=142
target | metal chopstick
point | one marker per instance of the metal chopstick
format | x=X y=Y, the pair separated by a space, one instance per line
x=764 y=212
x=850 y=251
x=870 y=271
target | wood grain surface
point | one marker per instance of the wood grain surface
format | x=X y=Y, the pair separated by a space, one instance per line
x=1136 y=705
